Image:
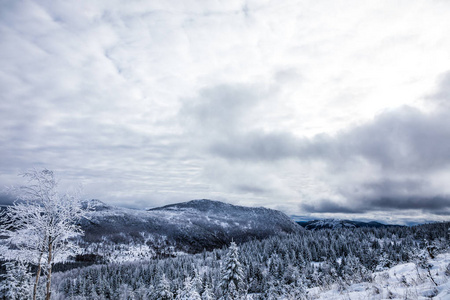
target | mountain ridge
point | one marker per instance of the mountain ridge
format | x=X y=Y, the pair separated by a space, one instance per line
x=340 y=223
x=188 y=227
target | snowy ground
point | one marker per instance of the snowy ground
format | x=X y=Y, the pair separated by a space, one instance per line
x=404 y=281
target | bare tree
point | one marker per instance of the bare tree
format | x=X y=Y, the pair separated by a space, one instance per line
x=41 y=223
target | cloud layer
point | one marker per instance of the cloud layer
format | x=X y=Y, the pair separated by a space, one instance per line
x=318 y=108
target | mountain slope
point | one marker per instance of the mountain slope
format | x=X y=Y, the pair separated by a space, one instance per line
x=189 y=227
x=403 y=281
x=338 y=224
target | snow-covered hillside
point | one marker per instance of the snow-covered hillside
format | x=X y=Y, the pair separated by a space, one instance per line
x=404 y=281
x=361 y=263
x=118 y=234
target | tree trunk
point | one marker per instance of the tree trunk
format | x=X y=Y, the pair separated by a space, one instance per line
x=49 y=271
x=431 y=277
x=38 y=275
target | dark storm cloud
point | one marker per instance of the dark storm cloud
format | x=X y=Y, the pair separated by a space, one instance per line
x=431 y=204
x=438 y=205
x=401 y=195
x=327 y=206
x=444 y=212
x=387 y=194
x=404 y=139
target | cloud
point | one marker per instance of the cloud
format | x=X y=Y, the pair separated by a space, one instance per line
x=433 y=204
x=258 y=145
x=148 y=103
x=383 y=194
x=404 y=139
x=388 y=163
x=328 y=206
x=442 y=96
x=438 y=205
x=6 y=199
x=404 y=143
x=221 y=109
x=243 y=188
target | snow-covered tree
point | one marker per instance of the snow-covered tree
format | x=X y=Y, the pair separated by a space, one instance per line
x=125 y=292
x=207 y=293
x=163 y=289
x=232 y=281
x=197 y=283
x=189 y=292
x=41 y=224
x=17 y=282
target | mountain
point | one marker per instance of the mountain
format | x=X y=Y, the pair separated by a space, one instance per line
x=188 y=227
x=338 y=224
x=95 y=205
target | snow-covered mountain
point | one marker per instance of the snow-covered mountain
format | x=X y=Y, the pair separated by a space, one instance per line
x=188 y=227
x=338 y=224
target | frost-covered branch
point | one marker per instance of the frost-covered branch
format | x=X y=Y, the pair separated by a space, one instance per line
x=40 y=225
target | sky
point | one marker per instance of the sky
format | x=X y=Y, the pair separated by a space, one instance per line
x=321 y=109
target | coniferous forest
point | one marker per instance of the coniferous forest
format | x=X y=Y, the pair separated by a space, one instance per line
x=280 y=267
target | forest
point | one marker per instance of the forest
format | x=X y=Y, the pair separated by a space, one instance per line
x=40 y=243
x=280 y=267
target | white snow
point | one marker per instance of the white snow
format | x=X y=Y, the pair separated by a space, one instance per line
x=404 y=281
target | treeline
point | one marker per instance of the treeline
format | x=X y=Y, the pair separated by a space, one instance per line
x=282 y=266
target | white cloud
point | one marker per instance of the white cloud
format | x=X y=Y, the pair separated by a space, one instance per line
x=131 y=97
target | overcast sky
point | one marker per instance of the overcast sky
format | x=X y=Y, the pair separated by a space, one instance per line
x=317 y=108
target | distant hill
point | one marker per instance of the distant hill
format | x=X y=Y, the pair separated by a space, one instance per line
x=338 y=224
x=188 y=227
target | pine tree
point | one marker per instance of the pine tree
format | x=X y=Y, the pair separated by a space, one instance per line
x=274 y=289
x=197 y=281
x=189 y=292
x=232 y=283
x=125 y=292
x=192 y=293
x=17 y=282
x=163 y=289
x=207 y=293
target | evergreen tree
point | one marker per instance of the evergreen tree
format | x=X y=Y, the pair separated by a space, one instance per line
x=207 y=293
x=274 y=290
x=197 y=282
x=163 y=289
x=232 y=293
x=189 y=292
x=232 y=281
x=17 y=283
